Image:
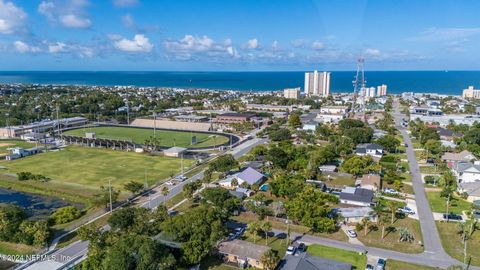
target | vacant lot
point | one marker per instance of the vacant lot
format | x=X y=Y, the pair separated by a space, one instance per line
x=452 y=242
x=91 y=168
x=391 y=240
x=356 y=260
x=139 y=135
x=394 y=265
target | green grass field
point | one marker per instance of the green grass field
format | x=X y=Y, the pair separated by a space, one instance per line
x=90 y=168
x=452 y=242
x=398 y=265
x=139 y=135
x=356 y=260
x=439 y=204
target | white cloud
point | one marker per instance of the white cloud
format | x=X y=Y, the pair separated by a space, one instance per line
x=125 y=3
x=275 y=45
x=128 y=21
x=23 y=47
x=140 y=43
x=193 y=47
x=252 y=44
x=69 y=13
x=445 y=34
x=74 y=21
x=12 y=17
x=317 y=45
x=298 y=43
x=57 y=47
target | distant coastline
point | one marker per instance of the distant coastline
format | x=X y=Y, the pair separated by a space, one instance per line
x=441 y=82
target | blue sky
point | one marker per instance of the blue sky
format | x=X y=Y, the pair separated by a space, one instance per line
x=238 y=34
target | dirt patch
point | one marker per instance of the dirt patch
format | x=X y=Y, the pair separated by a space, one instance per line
x=5 y=144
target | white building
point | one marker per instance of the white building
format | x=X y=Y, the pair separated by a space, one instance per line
x=471 y=92
x=381 y=90
x=467 y=172
x=317 y=83
x=293 y=93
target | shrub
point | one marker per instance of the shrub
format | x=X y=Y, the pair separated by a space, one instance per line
x=65 y=214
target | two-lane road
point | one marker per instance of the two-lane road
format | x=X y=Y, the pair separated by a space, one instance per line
x=431 y=238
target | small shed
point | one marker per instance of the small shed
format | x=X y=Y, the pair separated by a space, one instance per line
x=174 y=151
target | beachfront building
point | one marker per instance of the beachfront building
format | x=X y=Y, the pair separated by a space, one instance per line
x=317 y=83
x=292 y=93
x=471 y=92
x=381 y=90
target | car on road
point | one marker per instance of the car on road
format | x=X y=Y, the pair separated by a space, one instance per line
x=291 y=250
x=181 y=178
x=302 y=247
x=369 y=267
x=406 y=210
x=380 y=264
x=351 y=233
x=170 y=183
x=452 y=216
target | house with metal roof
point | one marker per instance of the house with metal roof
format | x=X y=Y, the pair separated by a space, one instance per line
x=249 y=175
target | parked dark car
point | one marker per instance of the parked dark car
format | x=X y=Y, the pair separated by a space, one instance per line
x=302 y=247
x=452 y=216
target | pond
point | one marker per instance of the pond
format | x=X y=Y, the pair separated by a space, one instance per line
x=35 y=206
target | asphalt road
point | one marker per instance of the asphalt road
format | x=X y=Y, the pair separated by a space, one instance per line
x=431 y=238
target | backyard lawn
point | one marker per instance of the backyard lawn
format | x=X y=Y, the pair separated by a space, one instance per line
x=439 y=204
x=91 y=168
x=452 y=242
x=139 y=135
x=356 y=260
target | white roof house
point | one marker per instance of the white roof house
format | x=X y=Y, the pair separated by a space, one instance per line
x=174 y=151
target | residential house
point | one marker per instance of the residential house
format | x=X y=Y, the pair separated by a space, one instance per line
x=466 y=172
x=249 y=176
x=371 y=149
x=452 y=158
x=472 y=189
x=242 y=253
x=447 y=134
x=356 y=214
x=357 y=196
x=310 y=126
x=370 y=181
x=306 y=261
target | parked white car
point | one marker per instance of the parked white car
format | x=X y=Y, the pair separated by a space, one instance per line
x=351 y=233
x=406 y=210
x=291 y=250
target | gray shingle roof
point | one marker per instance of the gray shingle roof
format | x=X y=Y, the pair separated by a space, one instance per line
x=309 y=262
x=360 y=195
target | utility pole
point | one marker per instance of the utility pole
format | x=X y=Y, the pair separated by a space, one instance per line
x=154 y=124
x=182 y=163
x=58 y=122
x=448 y=203
x=128 y=112
x=465 y=248
x=110 y=191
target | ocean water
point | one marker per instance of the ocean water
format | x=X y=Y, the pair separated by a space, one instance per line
x=443 y=82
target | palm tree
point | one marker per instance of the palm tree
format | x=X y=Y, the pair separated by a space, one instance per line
x=165 y=192
x=266 y=227
x=253 y=229
x=393 y=206
x=365 y=223
x=269 y=259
